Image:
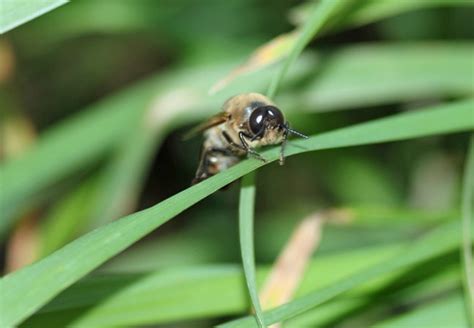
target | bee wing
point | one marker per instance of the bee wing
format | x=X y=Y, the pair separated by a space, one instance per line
x=214 y=120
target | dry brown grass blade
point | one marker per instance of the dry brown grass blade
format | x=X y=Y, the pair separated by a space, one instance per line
x=18 y=134
x=267 y=54
x=288 y=270
x=22 y=247
x=7 y=61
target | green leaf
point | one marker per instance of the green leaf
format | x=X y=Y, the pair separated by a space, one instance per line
x=25 y=291
x=467 y=214
x=69 y=215
x=447 y=312
x=321 y=14
x=436 y=243
x=370 y=11
x=375 y=10
x=16 y=12
x=369 y=75
x=246 y=214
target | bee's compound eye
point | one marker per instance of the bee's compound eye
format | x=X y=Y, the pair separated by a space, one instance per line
x=257 y=119
x=266 y=116
x=275 y=116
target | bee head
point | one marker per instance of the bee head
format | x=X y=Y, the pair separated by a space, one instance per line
x=269 y=118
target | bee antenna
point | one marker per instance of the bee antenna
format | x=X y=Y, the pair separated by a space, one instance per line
x=301 y=135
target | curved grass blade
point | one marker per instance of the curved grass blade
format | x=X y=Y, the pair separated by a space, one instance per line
x=25 y=291
x=319 y=16
x=246 y=215
x=322 y=13
x=467 y=213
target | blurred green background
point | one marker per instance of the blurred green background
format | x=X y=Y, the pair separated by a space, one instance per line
x=106 y=89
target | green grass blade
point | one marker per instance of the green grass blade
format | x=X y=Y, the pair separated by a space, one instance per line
x=25 y=291
x=16 y=12
x=398 y=72
x=320 y=15
x=447 y=312
x=247 y=193
x=375 y=10
x=68 y=216
x=246 y=218
x=467 y=214
x=435 y=243
x=370 y=11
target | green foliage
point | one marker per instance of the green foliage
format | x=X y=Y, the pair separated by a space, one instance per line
x=122 y=154
x=64 y=267
x=467 y=214
x=15 y=13
x=246 y=214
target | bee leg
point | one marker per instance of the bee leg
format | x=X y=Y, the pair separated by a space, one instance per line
x=283 y=144
x=222 y=151
x=237 y=149
x=248 y=149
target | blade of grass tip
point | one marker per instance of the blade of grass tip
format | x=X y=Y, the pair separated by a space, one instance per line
x=246 y=213
x=467 y=210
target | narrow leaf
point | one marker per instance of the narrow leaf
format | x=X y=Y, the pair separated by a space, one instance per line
x=467 y=214
x=246 y=213
x=16 y=12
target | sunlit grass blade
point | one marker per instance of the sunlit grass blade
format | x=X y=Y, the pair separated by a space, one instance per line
x=436 y=243
x=16 y=12
x=467 y=214
x=370 y=11
x=26 y=290
x=263 y=56
x=246 y=218
x=319 y=15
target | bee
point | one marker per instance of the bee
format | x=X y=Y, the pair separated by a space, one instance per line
x=247 y=121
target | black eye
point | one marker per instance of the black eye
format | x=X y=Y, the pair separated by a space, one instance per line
x=265 y=116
